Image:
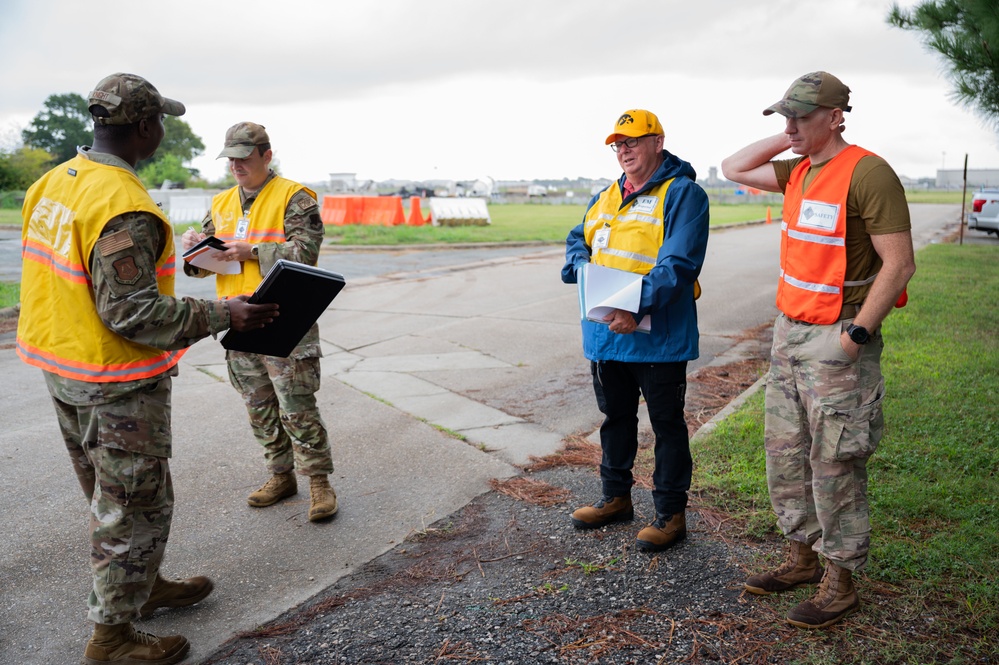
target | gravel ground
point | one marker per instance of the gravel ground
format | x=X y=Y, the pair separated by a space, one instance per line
x=508 y=581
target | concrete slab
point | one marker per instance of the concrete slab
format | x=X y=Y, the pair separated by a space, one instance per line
x=459 y=360
x=391 y=386
x=453 y=412
x=393 y=474
x=515 y=443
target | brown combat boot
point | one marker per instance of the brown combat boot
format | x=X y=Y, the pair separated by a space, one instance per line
x=606 y=510
x=322 y=499
x=280 y=486
x=176 y=593
x=835 y=600
x=800 y=567
x=665 y=532
x=121 y=644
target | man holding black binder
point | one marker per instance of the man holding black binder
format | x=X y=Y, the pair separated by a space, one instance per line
x=262 y=219
x=98 y=317
x=652 y=222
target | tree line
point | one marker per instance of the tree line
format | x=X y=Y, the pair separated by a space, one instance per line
x=65 y=122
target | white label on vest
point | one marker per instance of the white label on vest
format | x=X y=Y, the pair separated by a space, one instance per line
x=645 y=204
x=241 y=227
x=601 y=238
x=818 y=215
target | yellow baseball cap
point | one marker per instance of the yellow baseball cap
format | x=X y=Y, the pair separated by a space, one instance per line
x=635 y=123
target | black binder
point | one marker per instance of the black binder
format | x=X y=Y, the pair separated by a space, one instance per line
x=303 y=293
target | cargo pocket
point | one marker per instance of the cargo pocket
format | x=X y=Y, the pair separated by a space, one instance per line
x=307 y=377
x=848 y=434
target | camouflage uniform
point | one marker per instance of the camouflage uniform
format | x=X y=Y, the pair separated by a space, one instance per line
x=280 y=393
x=823 y=421
x=118 y=434
x=823 y=410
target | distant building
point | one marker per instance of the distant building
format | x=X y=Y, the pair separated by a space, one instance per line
x=713 y=179
x=954 y=178
x=343 y=182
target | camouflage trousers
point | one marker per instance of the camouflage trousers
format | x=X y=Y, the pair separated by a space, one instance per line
x=823 y=421
x=280 y=397
x=130 y=493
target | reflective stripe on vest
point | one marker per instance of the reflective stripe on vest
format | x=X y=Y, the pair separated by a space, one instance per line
x=98 y=373
x=65 y=213
x=813 y=240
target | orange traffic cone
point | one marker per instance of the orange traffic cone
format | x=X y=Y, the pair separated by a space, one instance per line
x=768 y=214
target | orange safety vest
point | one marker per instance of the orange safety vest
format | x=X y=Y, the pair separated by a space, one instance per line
x=64 y=215
x=813 y=240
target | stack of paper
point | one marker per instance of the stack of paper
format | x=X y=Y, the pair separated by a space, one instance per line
x=205 y=255
x=602 y=290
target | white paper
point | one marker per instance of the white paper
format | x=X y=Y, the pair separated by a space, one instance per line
x=602 y=290
x=204 y=256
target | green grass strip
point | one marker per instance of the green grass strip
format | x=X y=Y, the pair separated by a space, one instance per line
x=934 y=481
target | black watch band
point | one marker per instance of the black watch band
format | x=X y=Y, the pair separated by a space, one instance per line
x=858 y=334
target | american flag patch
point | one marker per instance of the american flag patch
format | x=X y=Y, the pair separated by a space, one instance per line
x=115 y=242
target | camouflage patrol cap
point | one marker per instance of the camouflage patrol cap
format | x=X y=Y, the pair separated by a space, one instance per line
x=809 y=93
x=635 y=123
x=241 y=138
x=121 y=99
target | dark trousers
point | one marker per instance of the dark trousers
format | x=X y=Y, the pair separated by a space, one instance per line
x=617 y=386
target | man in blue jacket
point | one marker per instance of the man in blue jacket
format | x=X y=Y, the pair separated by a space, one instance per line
x=652 y=222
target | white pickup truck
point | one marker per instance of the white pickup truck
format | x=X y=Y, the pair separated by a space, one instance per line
x=984 y=214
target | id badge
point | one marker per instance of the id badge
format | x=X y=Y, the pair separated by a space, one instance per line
x=242 y=225
x=818 y=215
x=601 y=239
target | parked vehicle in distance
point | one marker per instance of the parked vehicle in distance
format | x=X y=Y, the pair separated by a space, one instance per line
x=984 y=214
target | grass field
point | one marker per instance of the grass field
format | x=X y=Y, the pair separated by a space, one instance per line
x=10 y=217
x=510 y=223
x=528 y=223
x=930 y=590
x=10 y=293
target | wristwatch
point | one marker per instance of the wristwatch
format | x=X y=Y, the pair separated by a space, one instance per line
x=858 y=334
x=254 y=252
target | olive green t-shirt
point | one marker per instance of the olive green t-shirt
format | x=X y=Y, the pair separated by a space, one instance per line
x=875 y=205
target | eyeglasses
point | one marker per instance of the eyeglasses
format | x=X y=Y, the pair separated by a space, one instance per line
x=631 y=143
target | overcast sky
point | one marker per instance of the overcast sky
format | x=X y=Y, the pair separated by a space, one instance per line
x=510 y=89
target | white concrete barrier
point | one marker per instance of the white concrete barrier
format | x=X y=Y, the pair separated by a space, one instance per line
x=458 y=212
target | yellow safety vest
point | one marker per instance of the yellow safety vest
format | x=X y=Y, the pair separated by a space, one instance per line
x=263 y=223
x=59 y=329
x=635 y=232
